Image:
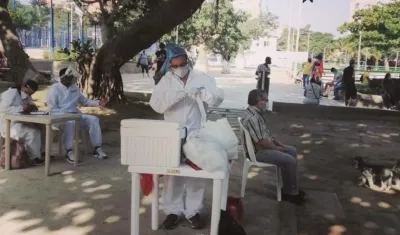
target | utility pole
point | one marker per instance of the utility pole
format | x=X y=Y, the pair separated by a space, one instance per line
x=308 y=43
x=323 y=56
x=359 y=52
x=68 y=31
x=298 y=37
x=71 y=25
x=288 y=47
x=51 y=30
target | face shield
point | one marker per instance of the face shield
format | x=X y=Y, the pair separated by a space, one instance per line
x=71 y=75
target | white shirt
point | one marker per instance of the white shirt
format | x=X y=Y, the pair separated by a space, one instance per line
x=62 y=99
x=11 y=102
x=170 y=98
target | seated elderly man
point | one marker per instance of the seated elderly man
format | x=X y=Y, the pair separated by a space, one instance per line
x=64 y=97
x=269 y=150
x=18 y=100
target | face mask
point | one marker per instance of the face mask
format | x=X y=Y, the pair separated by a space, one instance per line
x=266 y=107
x=181 y=71
x=24 y=95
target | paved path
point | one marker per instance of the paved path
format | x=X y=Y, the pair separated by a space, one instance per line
x=236 y=86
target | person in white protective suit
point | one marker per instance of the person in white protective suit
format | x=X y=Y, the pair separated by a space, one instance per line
x=174 y=96
x=64 y=97
x=18 y=100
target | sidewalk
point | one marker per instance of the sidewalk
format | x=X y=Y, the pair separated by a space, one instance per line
x=236 y=87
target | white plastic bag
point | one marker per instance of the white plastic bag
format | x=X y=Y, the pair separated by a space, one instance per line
x=223 y=133
x=213 y=145
x=204 y=151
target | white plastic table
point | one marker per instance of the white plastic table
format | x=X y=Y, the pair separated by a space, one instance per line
x=47 y=120
x=220 y=188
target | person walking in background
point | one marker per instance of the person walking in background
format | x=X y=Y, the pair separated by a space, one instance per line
x=365 y=77
x=263 y=71
x=307 y=69
x=316 y=72
x=349 y=84
x=161 y=55
x=144 y=63
x=320 y=59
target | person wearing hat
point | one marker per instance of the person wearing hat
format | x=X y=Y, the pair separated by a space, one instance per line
x=64 y=97
x=18 y=100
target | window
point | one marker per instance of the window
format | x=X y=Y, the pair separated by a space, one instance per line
x=266 y=43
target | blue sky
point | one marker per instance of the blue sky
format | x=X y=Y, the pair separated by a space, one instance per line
x=322 y=15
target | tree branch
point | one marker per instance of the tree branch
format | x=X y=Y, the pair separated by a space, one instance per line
x=148 y=29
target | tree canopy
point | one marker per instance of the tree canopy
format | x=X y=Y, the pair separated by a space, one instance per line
x=379 y=26
x=318 y=41
x=222 y=36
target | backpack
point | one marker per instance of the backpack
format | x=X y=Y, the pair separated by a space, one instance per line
x=18 y=156
x=229 y=226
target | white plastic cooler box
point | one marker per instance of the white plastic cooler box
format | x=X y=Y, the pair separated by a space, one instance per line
x=150 y=143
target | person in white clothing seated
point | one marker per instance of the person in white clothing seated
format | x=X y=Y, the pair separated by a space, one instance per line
x=174 y=96
x=18 y=100
x=313 y=93
x=64 y=97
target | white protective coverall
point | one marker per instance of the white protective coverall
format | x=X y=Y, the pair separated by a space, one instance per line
x=11 y=102
x=170 y=98
x=62 y=99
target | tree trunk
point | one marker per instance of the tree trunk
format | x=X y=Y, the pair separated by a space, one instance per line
x=386 y=61
x=105 y=78
x=240 y=59
x=202 y=59
x=226 y=67
x=107 y=29
x=18 y=60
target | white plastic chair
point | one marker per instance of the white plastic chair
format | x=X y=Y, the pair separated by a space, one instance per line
x=248 y=163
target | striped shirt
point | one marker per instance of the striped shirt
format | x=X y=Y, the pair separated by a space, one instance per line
x=256 y=126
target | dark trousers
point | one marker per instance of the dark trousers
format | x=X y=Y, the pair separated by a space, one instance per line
x=266 y=85
x=145 y=68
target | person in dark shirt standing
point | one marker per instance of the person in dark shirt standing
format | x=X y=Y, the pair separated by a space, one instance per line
x=349 y=84
x=263 y=72
x=161 y=55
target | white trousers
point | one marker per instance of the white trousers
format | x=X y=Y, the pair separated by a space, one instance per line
x=174 y=200
x=31 y=135
x=88 y=122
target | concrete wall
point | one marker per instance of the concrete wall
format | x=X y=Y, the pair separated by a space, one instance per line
x=51 y=66
x=334 y=112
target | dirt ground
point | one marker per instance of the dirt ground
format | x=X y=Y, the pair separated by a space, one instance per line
x=325 y=148
x=62 y=203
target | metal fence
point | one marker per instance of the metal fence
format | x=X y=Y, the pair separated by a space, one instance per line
x=40 y=37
